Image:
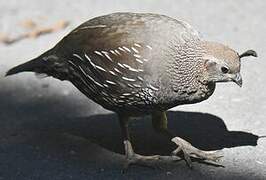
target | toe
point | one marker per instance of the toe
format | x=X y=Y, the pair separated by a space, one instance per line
x=190 y=151
x=187 y=159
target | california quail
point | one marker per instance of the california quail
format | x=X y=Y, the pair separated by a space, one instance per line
x=136 y=64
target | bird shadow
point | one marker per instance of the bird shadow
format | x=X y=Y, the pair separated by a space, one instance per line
x=203 y=130
x=38 y=127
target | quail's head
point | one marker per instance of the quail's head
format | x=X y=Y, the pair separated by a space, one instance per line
x=222 y=64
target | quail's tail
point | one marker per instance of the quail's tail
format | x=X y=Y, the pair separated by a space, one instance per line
x=32 y=66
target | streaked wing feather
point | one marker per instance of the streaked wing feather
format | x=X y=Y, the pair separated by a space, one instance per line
x=112 y=57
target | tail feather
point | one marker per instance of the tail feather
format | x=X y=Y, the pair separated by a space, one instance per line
x=31 y=66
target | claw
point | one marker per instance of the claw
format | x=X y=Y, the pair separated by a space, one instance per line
x=187 y=159
x=176 y=151
x=191 y=152
x=147 y=161
x=182 y=146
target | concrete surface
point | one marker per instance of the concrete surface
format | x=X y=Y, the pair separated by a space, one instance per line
x=49 y=130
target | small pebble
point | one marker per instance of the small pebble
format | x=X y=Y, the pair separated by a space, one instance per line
x=72 y=152
x=168 y=173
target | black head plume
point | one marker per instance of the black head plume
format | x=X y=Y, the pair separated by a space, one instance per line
x=248 y=53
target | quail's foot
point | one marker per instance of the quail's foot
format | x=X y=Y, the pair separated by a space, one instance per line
x=190 y=151
x=148 y=161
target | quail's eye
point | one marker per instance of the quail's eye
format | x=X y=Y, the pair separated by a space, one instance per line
x=224 y=69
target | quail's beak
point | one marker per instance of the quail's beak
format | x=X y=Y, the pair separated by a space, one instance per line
x=237 y=79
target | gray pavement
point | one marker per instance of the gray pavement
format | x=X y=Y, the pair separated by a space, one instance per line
x=49 y=130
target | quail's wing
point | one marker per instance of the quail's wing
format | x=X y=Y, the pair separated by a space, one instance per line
x=113 y=55
x=117 y=73
x=109 y=55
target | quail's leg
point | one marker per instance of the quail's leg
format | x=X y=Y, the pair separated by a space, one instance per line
x=132 y=157
x=159 y=121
